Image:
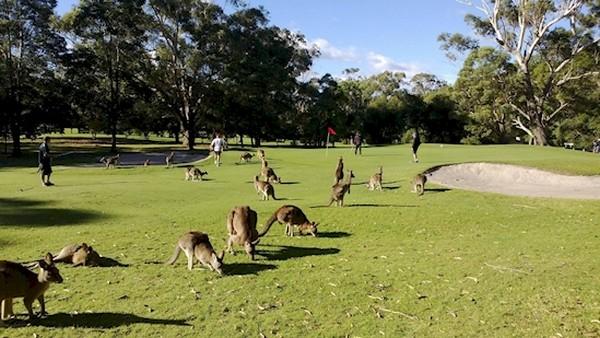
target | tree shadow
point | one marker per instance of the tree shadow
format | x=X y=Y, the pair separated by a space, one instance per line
x=286 y=252
x=101 y=320
x=19 y=212
x=242 y=269
x=333 y=234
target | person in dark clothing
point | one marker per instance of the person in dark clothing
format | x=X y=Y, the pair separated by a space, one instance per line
x=416 y=142
x=357 y=141
x=44 y=160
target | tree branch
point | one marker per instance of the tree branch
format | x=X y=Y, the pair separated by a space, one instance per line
x=563 y=105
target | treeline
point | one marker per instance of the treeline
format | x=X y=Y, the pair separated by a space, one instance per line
x=188 y=67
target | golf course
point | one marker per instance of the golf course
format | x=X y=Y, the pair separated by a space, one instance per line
x=389 y=263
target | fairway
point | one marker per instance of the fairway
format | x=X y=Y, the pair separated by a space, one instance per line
x=449 y=263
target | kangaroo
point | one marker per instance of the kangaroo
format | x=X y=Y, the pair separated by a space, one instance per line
x=194 y=174
x=170 y=159
x=339 y=171
x=246 y=157
x=261 y=154
x=419 y=184
x=146 y=163
x=241 y=226
x=264 y=188
x=291 y=216
x=110 y=161
x=196 y=244
x=269 y=173
x=339 y=190
x=78 y=254
x=17 y=281
x=376 y=180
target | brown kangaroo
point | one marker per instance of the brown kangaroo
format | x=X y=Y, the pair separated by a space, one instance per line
x=339 y=190
x=419 y=184
x=170 y=159
x=110 y=161
x=78 y=254
x=17 y=281
x=196 y=244
x=261 y=154
x=291 y=216
x=246 y=157
x=339 y=171
x=194 y=174
x=265 y=189
x=268 y=173
x=376 y=180
x=241 y=226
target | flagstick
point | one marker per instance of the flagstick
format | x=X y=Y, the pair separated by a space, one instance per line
x=327 y=145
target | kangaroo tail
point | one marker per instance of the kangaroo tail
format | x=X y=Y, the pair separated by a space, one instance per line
x=175 y=255
x=269 y=223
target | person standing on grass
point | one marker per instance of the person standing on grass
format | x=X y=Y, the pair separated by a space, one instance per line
x=44 y=161
x=217 y=146
x=416 y=142
x=357 y=141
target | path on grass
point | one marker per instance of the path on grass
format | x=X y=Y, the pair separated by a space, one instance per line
x=515 y=180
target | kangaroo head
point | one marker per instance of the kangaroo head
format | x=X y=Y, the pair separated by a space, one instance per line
x=92 y=258
x=313 y=228
x=48 y=271
x=217 y=261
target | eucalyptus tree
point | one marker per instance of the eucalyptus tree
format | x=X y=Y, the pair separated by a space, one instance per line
x=543 y=38
x=30 y=48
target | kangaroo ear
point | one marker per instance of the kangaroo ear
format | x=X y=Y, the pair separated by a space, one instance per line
x=47 y=259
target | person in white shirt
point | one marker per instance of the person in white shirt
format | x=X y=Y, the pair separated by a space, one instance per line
x=217 y=146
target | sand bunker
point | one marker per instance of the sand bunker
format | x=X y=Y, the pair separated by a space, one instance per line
x=515 y=180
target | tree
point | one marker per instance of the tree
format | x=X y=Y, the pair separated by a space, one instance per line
x=482 y=91
x=29 y=52
x=423 y=83
x=110 y=38
x=548 y=34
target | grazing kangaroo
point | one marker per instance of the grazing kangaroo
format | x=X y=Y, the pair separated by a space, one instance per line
x=261 y=154
x=269 y=173
x=170 y=159
x=419 y=184
x=339 y=171
x=194 y=174
x=291 y=216
x=246 y=157
x=339 y=190
x=110 y=161
x=17 y=281
x=196 y=244
x=376 y=181
x=241 y=226
x=78 y=254
x=264 y=188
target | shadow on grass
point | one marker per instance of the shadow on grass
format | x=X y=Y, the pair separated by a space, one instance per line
x=334 y=234
x=289 y=183
x=107 y=262
x=437 y=189
x=286 y=252
x=19 y=212
x=365 y=205
x=100 y=320
x=391 y=188
x=241 y=269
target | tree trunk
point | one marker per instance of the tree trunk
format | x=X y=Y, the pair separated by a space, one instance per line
x=189 y=136
x=257 y=142
x=539 y=135
x=113 y=136
x=241 y=140
x=15 y=131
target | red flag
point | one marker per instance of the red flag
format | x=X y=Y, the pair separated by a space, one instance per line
x=330 y=131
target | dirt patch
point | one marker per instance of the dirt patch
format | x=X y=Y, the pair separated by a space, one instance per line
x=515 y=180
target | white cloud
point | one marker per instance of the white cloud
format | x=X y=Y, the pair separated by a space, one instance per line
x=331 y=52
x=383 y=63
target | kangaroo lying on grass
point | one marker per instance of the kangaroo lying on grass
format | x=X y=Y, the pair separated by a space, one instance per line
x=241 y=226
x=339 y=171
x=265 y=189
x=246 y=157
x=194 y=174
x=110 y=161
x=78 y=254
x=196 y=244
x=268 y=173
x=291 y=216
x=17 y=281
x=376 y=181
x=419 y=184
x=339 y=190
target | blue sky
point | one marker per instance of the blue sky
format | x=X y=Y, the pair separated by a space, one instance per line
x=373 y=35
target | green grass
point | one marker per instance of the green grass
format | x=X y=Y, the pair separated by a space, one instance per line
x=450 y=263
